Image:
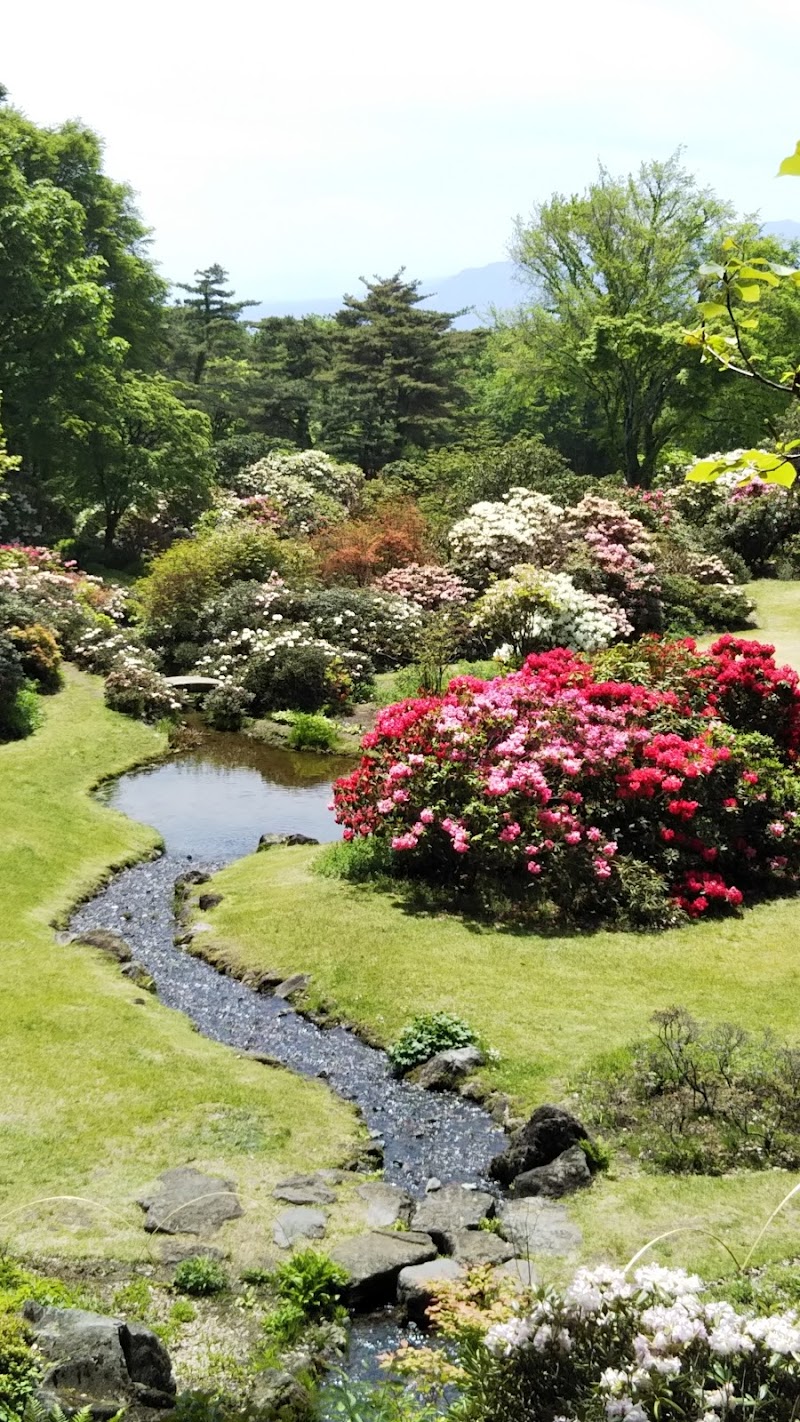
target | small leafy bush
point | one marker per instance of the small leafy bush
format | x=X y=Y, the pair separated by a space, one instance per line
x=290 y=678
x=701 y=1099
x=39 y=655
x=309 y=1286
x=200 y=1277
x=19 y=1367
x=225 y=708
x=427 y=1034
x=310 y=732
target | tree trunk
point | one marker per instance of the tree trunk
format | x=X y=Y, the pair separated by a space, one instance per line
x=112 y=523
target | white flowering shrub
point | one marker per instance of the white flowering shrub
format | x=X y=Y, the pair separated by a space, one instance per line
x=533 y=611
x=643 y=1348
x=228 y=659
x=137 y=690
x=384 y=627
x=524 y=527
x=342 y=483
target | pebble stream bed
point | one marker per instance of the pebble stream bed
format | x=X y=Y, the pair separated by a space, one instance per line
x=423 y=1134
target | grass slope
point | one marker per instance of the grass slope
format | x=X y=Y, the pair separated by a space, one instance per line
x=102 y=1087
x=549 y=1005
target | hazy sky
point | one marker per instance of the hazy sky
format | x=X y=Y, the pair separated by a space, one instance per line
x=301 y=144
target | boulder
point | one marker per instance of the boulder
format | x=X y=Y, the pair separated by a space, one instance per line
x=373 y=1262
x=263 y=979
x=520 y=1272
x=568 y=1172
x=476 y=1247
x=447 y=1070
x=386 y=1204
x=453 y=1208
x=301 y=1223
x=418 y=1284
x=107 y=941
x=190 y=878
x=139 y=975
x=290 y=987
x=538 y=1227
x=98 y=1361
x=549 y=1132
x=188 y=1202
x=209 y=901
x=304 y=1190
x=269 y=841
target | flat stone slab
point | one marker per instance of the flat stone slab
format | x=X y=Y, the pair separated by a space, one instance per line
x=302 y=1223
x=107 y=941
x=476 y=1247
x=304 y=1190
x=538 y=1226
x=290 y=987
x=443 y=1213
x=386 y=1204
x=373 y=1262
x=418 y=1284
x=189 y=1202
x=520 y=1271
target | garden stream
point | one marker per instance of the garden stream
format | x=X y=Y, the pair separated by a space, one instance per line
x=210 y=804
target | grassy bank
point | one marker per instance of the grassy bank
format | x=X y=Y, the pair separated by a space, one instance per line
x=102 y=1087
x=549 y=1005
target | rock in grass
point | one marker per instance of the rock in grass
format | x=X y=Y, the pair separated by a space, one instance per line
x=447 y=1070
x=98 y=1361
x=209 y=901
x=298 y=1224
x=476 y=1247
x=107 y=941
x=188 y=1202
x=290 y=987
x=269 y=841
x=538 y=1226
x=453 y=1208
x=567 y=1173
x=549 y=1132
x=418 y=1284
x=139 y=976
x=304 y=1190
x=373 y=1262
x=386 y=1204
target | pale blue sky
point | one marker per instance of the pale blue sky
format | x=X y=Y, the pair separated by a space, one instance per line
x=301 y=144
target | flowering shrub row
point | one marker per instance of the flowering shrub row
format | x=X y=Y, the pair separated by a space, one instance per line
x=649 y=1347
x=592 y=799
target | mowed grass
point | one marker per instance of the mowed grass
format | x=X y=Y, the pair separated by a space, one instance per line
x=550 y=1006
x=103 y=1088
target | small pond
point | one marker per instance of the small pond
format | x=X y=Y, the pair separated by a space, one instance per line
x=212 y=801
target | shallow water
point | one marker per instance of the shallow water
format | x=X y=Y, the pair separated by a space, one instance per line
x=215 y=800
x=211 y=804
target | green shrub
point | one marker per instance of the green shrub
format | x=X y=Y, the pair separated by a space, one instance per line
x=309 y=1286
x=426 y=1035
x=701 y=1099
x=19 y=1367
x=311 y=732
x=226 y=706
x=22 y=717
x=290 y=678
x=39 y=655
x=136 y=690
x=200 y=1277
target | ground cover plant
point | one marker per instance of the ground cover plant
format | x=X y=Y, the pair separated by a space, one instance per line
x=82 y=1118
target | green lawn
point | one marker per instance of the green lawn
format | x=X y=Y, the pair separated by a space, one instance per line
x=549 y=1005
x=102 y=1088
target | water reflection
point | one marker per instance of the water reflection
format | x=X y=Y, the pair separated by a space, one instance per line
x=213 y=800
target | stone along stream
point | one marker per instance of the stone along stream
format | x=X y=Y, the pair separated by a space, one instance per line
x=211 y=804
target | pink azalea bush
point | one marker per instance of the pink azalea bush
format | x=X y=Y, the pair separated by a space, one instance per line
x=428 y=584
x=574 y=797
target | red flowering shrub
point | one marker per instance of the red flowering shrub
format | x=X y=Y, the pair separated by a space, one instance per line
x=589 y=799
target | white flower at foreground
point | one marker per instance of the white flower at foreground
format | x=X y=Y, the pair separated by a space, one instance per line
x=649 y=1346
x=533 y=611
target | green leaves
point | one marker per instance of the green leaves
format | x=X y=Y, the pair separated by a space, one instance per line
x=773 y=468
x=790 y=167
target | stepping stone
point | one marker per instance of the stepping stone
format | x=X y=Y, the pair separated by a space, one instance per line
x=476 y=1247
x=302 y=1223
x=418 y=1284
x=107 y=941
x=386 y=1204
x=174 y=1251
x=538 y=1227
x=520 y=1271
x=373 y=1262
x=290 y=987
x=304 y=1190
x=188 y=1202
x=453 y=1208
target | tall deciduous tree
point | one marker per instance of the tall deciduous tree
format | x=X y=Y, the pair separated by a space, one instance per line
x=392 y=385
x=613 y=273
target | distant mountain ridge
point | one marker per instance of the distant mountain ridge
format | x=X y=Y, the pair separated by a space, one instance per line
x=494 y=286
